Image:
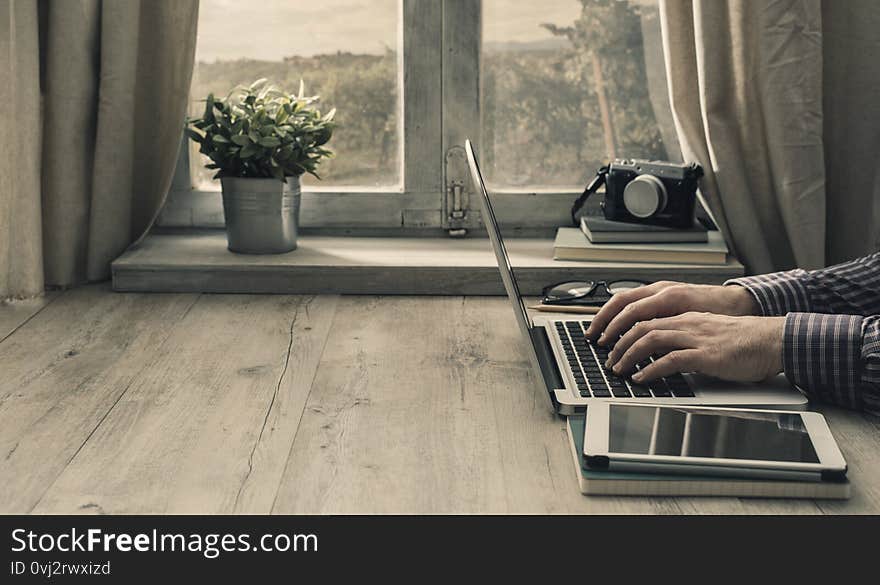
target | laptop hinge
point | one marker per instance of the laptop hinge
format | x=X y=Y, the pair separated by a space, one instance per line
x=546 y=359
x=456 y=201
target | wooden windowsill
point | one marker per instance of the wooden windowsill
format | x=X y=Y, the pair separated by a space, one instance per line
x=200 y=262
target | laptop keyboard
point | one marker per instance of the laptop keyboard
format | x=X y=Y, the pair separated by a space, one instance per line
x=586 y=362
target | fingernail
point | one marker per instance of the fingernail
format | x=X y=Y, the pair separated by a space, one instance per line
x=609 y=362
x=616 y=369
x=638 y=376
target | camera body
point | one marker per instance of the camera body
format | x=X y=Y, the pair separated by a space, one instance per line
x=651 y=192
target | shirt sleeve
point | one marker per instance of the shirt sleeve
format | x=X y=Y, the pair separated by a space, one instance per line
x=831 y=344
x=851 y=288
x=834 y=358
x=778 y=293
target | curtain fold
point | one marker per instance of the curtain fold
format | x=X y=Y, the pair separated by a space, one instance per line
x=745 y=84
x=851 y=59
x=88 y=175
x=21 y=244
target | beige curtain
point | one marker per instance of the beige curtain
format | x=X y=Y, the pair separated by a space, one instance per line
x=745 y=84
x=778 y=99
x=851 y=86
x=92 y=103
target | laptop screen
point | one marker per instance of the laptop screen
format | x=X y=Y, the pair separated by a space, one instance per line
x=507 y=276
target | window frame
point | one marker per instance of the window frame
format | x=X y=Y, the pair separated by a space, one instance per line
x=439 y=75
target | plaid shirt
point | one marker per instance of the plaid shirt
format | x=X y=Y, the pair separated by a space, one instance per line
x=831 y=345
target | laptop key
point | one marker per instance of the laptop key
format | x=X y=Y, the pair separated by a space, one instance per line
x=679 y=386
x=618 y=387
x=601 y=392
x=640 y=390
x=659 y=389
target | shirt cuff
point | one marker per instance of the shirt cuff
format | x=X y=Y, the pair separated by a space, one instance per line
x=821 y=354
x=778 y=293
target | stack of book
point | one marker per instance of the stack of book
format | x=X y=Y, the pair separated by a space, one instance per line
x=601 y=240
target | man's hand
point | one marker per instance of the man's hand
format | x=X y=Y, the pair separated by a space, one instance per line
x=665 y=299
x=745 y=349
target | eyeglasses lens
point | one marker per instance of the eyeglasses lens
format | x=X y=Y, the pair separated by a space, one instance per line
x=571 y=290
x=623 y=285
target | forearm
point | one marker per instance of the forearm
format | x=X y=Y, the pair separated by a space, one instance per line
x=834 y=358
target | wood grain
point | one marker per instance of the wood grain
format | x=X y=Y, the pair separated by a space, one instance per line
x=429 y=406
x=137 y=403
x=207 y=427
x=63 y=371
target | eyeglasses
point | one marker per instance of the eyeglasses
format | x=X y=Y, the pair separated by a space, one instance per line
x=586 y=292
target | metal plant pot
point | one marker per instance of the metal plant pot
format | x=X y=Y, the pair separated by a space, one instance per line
x=262 y=215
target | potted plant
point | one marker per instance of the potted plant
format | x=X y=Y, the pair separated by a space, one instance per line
x=261 y=140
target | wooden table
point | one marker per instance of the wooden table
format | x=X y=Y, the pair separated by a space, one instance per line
x=199 y=403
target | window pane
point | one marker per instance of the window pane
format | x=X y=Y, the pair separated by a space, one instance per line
x=568 y=85
x=344 y=51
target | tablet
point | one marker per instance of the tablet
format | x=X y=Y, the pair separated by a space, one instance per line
x=711 y=441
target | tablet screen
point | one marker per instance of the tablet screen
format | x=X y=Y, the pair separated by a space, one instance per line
x=649 y=430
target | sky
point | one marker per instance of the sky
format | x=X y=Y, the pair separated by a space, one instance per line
x=272 y=29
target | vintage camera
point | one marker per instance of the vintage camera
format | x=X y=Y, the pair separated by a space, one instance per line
x=651 y=192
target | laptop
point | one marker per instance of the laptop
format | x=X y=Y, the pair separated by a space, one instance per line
x=572 y=370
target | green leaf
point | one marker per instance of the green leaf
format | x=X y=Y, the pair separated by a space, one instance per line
x=209 y=105
x=194 y=136
x=260 y=131
x=257 y=84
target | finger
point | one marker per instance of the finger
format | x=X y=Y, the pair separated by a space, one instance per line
x=617 y=302
x=642 y=328
x=652 y=343
x=683 y=360
x=669 y=302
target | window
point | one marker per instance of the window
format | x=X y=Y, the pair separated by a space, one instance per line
x=347 y=54
x=565 y=87
x=546 y=91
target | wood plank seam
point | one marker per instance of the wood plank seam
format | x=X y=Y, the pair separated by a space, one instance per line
x=299 y=421
x=250 y=468
x=50 y=300
x=106 y=414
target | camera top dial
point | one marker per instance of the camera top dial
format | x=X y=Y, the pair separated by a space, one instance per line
x=645 y=196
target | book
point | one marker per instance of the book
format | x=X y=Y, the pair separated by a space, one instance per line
x=604 y=231
x=605 y=483
x=572 y=244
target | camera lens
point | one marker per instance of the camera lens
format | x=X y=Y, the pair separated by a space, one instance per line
x=644 y=196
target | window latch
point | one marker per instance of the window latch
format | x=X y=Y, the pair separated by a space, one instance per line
x=457 y=200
